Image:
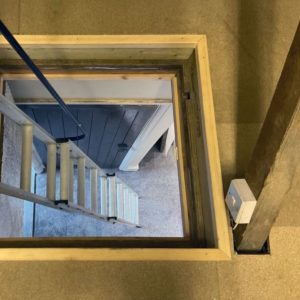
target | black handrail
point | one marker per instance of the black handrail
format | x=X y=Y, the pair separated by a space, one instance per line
x=24 y=56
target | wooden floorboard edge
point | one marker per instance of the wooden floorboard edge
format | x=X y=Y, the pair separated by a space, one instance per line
x=111 y=254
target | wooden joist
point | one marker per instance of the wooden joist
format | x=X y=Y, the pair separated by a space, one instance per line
x=276 y=158
x=122 y=47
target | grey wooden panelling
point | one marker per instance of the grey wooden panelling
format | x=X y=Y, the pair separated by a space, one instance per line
x=110 y=129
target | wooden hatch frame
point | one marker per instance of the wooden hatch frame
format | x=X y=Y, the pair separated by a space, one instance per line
x=203 y=208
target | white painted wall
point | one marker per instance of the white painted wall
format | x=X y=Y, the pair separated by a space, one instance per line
x=92 y=88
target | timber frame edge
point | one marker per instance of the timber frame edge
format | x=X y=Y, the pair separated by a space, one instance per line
x=159 y=47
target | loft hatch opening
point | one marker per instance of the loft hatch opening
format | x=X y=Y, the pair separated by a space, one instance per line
x=130 y=133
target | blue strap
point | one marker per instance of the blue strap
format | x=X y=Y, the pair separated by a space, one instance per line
x=24 y=56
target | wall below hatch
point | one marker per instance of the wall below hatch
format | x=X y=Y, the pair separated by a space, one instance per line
x=11 y=209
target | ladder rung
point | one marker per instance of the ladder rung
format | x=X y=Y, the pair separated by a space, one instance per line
x=26 y=162
x=94 y=189
x=71 y=181
x=120 y=201
x=81 y=182
x=64 y=171
x=103 y=196
x=126 y=204
x=136 y=201
x=131 y=207
x=112 y=199
x=51 y=171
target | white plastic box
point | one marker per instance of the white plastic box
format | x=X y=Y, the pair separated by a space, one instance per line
x=240 y=201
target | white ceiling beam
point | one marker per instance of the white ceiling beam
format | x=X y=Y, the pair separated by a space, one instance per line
x=170 y=139
x=156 y=126
x=92 y=101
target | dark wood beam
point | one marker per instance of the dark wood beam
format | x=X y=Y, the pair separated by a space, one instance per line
x=276 y=158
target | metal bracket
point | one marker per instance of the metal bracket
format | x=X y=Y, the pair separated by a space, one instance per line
x=111 y=174
x=186 y=95
x=56 y=202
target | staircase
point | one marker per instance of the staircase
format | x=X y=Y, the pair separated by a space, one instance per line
x=111 y=199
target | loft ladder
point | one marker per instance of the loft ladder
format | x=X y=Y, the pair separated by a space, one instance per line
x=111 y=199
